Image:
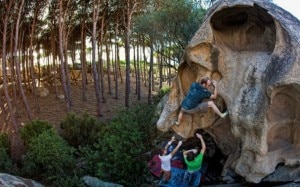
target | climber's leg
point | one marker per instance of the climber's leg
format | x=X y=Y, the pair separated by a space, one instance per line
x=216 y=110
x=179 y=118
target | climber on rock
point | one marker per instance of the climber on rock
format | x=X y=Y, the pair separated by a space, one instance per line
x=192 y=103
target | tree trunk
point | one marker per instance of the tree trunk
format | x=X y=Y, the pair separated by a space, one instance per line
x=100 y=47
x=94 y=67
x=12 y=72
x=38 y=58
x=54 y=70
x=61 y=55
x=161 y=66
x=100 y=52
x=169 y=68
x=150 y=75
x=134 y=65
x=128 y=17
x=68 y=82
x=32 y=68
x=116 y=59
x=23 y=61
x=119 y=65
x=116 y=72
x=144 y=67
x=83 y=61
x=153 y=73
x=27 y=74
x=138 y=85
x=17 y=63
x=108 y=64
x=4 y=73
x=113 y=56
x=127 y=57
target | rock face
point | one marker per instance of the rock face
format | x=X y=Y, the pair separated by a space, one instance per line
x=95 y=182
x=252 y=48
x=7 y=180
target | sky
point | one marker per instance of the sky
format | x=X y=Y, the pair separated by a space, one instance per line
x=291 y=6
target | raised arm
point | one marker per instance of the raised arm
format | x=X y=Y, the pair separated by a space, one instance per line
x=176 y=148
x=170 y=142
x=187 y=151
x=202 y=143
x=214 y=96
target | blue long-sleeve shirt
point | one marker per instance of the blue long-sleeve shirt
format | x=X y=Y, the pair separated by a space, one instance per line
x=195 y=96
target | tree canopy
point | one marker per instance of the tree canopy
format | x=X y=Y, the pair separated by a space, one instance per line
x=43 y=39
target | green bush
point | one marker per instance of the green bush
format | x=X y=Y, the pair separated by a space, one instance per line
x=4 y=142
x=161 y=93
x=33 y=129
x=5 y=159
x=89 y=157
x=80 y=131
x=122 y=147
x=69 y=181
x=49 y=156
x=113 y=152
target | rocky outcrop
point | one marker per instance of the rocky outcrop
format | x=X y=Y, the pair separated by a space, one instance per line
x=7 y=180
x=42 y=91
x=95 y=182
x=252 y=48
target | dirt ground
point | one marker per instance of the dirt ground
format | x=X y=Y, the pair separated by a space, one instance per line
x=54 y=110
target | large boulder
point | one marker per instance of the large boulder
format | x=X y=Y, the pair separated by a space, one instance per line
x=7 y=180
x=252 y=48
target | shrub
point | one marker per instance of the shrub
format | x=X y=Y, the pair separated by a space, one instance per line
x=5 y=159
x=122 y=147
x=69 y=181
x=48 y=156
x=89 y=158
x=33 y=129
x=161 y=93
x=80 y=131
x=4 y=142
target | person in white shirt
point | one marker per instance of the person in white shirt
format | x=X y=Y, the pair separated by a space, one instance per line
x=166 y=159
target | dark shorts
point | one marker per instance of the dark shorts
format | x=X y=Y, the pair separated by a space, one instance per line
x=202 y=108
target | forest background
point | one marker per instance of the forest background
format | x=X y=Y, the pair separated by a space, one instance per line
x=68 y=101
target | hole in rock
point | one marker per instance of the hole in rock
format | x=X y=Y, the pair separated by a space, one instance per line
x=244 y=28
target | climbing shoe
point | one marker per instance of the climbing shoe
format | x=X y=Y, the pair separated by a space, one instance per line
x=224 y=114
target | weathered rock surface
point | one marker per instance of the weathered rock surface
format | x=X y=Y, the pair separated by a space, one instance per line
x=42 y=91
x=7 y=180
x=95 y=182
x=252 y=48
